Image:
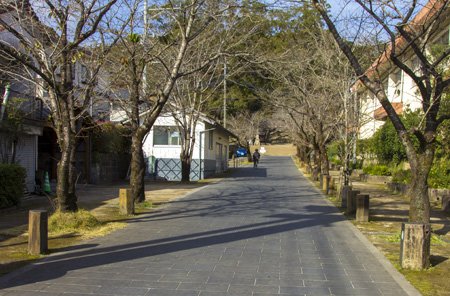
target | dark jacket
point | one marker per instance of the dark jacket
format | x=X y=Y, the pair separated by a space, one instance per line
x=256 y=155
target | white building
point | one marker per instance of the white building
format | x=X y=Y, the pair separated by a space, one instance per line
x=399 y=87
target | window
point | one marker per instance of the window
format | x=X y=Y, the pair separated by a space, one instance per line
x=211 y=139
x=166 y=135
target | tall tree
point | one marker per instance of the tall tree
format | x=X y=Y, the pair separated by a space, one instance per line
x=46 y=39
x=410 y=30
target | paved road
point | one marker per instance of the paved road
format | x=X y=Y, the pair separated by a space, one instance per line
x=258 y=232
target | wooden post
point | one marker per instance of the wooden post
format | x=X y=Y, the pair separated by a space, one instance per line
x=339 y=186
x=362 y=208
x=37 y=232
x=126 y=202
x=415 y=245
x=326 y=183
x=345 y=191
x=351 y=201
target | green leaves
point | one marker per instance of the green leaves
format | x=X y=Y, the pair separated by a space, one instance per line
x=134 y=38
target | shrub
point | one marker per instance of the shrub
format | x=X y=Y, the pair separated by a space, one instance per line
x=111 y=138
x=12 y=180
x=401 y=176
x=336 y=161
x=377 y=170
x=72 y=222
x=439 y=174
x=386 y=144
x=357 y=165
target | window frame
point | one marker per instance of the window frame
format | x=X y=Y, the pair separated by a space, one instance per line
x=169 y=130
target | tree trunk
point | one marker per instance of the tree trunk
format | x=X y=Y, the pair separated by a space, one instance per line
x=249 y=153
x=185 y=168
x=137 y=173
x=324 y=160
x=66 y=201
x=419 y=210
x=72 y=178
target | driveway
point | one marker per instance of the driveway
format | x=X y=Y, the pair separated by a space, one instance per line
x=264 y=231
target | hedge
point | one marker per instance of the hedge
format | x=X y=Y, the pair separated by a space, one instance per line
x=376 y=170
x=12 y=180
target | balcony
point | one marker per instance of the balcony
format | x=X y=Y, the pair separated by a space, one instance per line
x=380 y=114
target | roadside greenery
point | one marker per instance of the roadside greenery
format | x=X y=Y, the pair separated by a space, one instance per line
x=111 y=138
x=12 y=180
x=385 y=146
x=377 y=170
x=385 y=143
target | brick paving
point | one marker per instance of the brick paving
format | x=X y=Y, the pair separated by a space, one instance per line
x=265 y=231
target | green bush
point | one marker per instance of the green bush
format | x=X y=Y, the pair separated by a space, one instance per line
x=439 y=174
x=386 y=144
x=12 y=180
x=336 y=161
x=401 y=176
x=377 y=170
x=358 y=165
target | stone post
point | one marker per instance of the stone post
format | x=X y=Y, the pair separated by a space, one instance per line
x=321 y=180
x=362 y=208
x=351 y=201
x=415 y=245
x=345 y=191
x=126 y=202
x=37 y=232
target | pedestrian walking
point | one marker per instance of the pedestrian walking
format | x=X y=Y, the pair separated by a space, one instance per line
x=256 y=157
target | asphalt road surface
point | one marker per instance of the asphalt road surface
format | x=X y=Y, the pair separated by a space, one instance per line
x=264 y=231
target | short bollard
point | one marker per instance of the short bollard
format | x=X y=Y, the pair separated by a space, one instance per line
x=362 y=208
x=126 y=202
x=332 y=183
x=351 y=201
x=345 y=191
x=415 y=245
x=326 y=183
x=37 y=232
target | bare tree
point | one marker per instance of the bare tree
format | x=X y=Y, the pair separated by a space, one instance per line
x=311 y=80
x=409 y=30
x=46 y=39
x=157 y=54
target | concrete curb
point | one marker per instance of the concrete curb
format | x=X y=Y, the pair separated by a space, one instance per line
x=396 y=275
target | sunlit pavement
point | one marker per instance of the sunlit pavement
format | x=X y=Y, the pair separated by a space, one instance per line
x=257 y=232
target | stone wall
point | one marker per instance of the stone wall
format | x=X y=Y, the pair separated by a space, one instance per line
x=109 y=168
x=402 y=188
x=375 y=179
